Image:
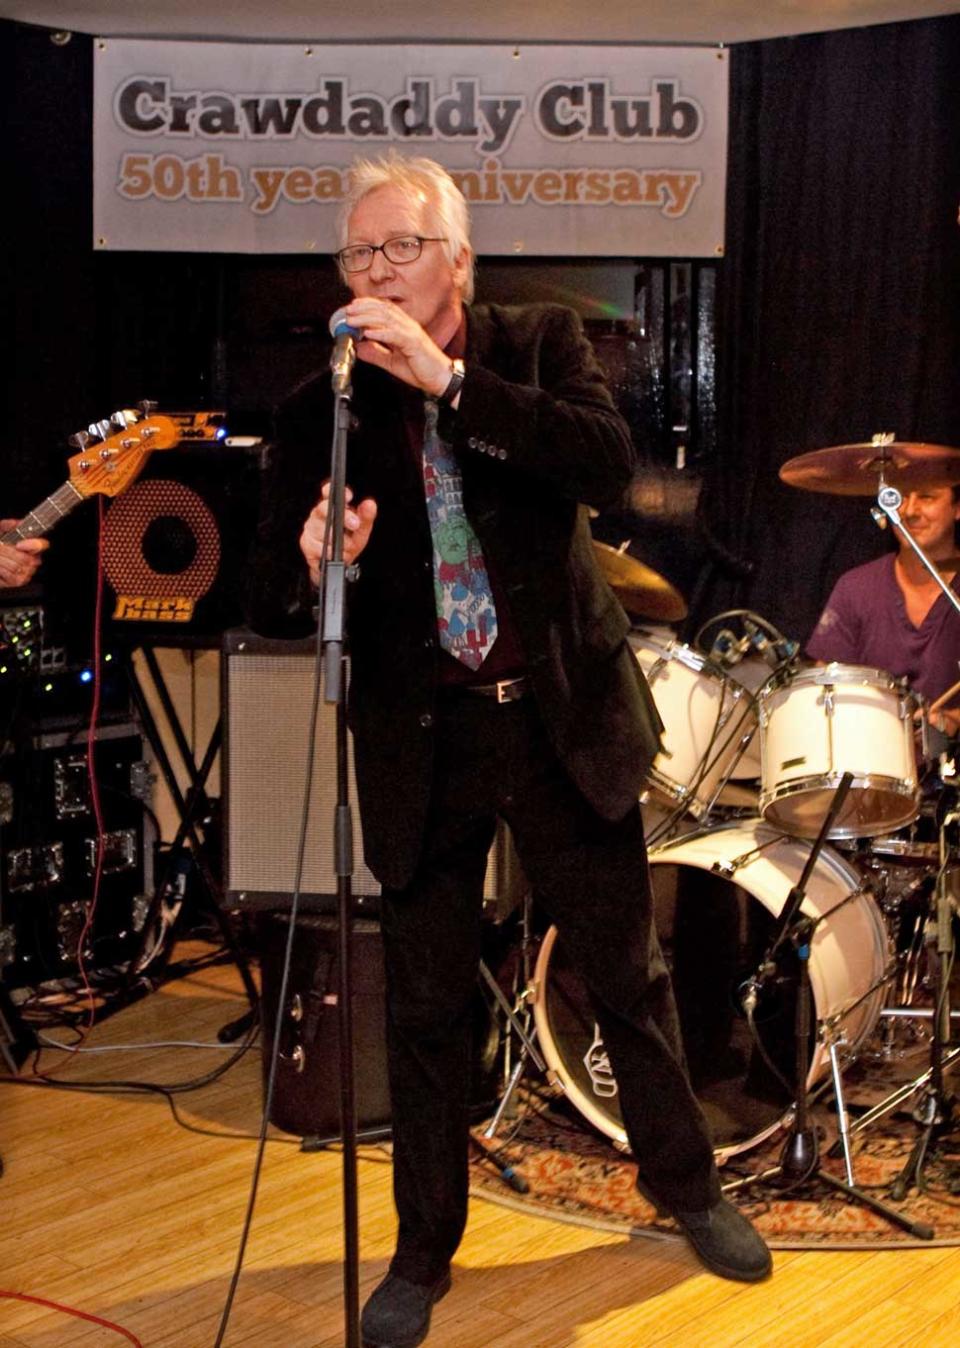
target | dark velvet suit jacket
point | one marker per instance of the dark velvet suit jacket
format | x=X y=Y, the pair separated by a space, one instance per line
x=536 y=435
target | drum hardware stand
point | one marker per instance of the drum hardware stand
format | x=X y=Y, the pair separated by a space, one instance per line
x=745 y=737
x=833 y=1036
x=192 y=810
x=835 y=1041
x=936 y=1112
x=904 y=1092
x=799 y=1158
x=528 y=1048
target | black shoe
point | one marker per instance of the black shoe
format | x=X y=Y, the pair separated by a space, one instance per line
x=726 y=1242
x=398 y=1312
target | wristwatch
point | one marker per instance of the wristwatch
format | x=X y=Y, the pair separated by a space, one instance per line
x=457 y=372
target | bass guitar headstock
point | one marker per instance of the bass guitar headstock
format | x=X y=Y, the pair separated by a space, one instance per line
x=112 y=453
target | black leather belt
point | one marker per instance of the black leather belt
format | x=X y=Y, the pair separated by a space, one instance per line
x=507 y=690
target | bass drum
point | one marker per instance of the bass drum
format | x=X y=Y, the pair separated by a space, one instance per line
x=717 y=895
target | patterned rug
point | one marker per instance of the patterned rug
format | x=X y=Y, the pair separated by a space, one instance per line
x=576 y=1174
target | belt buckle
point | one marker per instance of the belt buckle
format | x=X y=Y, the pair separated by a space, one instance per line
x=503 y=686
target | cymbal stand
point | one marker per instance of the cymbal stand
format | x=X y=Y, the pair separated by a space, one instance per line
x=799 y=1159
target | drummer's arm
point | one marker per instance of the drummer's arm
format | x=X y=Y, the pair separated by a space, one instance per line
x=943 y=712
x=947 y=720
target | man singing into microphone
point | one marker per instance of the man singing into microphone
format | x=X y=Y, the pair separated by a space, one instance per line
x=490 y=677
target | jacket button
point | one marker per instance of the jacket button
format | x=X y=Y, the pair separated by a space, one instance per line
x=426 y=720
x=501 y=453
x=472 y=441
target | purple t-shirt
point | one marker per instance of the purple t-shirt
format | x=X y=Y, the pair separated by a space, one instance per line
x=865 y=623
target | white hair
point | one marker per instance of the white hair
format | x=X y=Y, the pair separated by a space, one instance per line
x=423 y=181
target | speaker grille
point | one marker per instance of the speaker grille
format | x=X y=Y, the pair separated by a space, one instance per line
x=127 y=554
x=267 y=692
x=268 y=699
x=177 y=543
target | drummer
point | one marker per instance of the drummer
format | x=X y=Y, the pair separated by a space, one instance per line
x=891 y=614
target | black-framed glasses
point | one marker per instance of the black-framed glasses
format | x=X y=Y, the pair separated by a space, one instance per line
x=401 y=250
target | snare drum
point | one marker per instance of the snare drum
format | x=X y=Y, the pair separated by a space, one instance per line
x=708 y=719
x=829 y=720
x=717 y=897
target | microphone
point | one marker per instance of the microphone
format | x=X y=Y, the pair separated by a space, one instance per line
x=727 y=650
x=344 y=352
x=776 y=652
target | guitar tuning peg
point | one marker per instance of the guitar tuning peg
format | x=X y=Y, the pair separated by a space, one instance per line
x=79 y=440
x=122 y=419
x=147 y=406
x=99 y=430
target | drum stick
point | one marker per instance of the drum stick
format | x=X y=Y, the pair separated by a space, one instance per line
x=943 y=698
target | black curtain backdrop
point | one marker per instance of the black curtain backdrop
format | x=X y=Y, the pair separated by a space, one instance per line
x=838 y=302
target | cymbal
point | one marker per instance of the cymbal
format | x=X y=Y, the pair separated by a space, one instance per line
x=642 y=591
x=855 y=470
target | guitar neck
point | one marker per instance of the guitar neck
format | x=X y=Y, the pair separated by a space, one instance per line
x=46 y=515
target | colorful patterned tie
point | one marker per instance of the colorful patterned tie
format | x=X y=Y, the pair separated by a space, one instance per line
x=466 y=616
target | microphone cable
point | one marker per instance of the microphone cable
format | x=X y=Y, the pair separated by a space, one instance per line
x=288 y=949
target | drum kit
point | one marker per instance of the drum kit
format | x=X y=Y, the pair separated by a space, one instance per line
x=754 y=749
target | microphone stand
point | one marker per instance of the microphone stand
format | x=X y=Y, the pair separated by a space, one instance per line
x=800 y=1157
x=332 y=638
x=889 y=501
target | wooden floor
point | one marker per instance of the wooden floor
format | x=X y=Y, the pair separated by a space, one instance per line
x=112 y=1208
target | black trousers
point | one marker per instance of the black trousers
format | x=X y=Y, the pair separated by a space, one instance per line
x=592 y=879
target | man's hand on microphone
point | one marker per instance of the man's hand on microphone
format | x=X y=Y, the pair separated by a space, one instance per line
x=398 y=344
x=357 y=525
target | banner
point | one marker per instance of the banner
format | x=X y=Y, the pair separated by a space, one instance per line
x=560 y=150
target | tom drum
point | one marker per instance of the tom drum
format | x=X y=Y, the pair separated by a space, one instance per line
x=829 y=720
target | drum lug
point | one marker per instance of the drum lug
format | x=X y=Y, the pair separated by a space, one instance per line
x=725 y=868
